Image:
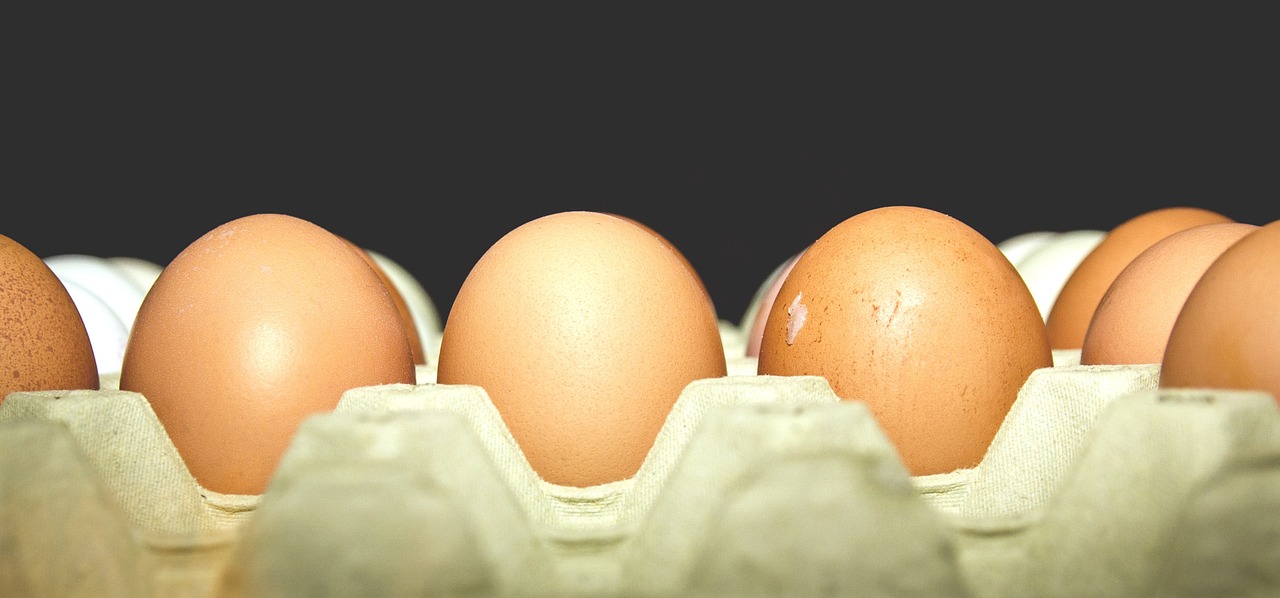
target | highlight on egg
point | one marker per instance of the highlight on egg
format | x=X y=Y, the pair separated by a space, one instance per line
x=583 y=328
x=258 y=324
x=919 y=316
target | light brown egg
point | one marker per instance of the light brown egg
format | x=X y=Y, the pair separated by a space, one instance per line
x=1133 y=320
x=1072 y=309
x=410 y=327
x=919 y=316
x=583 y=328
x=1227 y=334
x=258 y=324
x=44 y=344
x=676 y=250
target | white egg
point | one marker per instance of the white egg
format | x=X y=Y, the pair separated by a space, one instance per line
x=1019 y=246
x=142 y=273
x=426 y=318
x=100 y=277
x=107 y=334
x=1047 y=268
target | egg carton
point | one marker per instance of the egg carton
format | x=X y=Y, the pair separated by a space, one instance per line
x=1098 y=483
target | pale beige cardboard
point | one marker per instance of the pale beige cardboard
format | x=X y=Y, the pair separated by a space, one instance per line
x=1096 y=484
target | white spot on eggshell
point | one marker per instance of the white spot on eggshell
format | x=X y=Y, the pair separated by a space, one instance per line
x=796 y=314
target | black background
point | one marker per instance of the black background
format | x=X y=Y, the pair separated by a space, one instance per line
x=742 y=140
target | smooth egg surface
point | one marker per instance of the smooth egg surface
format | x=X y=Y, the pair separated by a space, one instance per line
x=258 y=324
x=919 y=316
x=1069 y=316
x=44 y=344
x=1133 y=320
x=1227 y=334
x=583 y=328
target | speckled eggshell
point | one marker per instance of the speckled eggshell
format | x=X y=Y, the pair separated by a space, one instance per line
x=258 y=324
x=919 y=316
x=583 y=328
x=44 y=344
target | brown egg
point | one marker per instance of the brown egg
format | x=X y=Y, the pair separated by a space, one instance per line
x=1068 y=318
x=410 y=327
x=44 y=344
x=1133 y=320
x=919 y=316
x=258 y=324
x=676 y=250
x=583 y=328
x=1227 y=334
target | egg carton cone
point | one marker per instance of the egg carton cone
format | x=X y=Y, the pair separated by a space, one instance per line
x=754 y=485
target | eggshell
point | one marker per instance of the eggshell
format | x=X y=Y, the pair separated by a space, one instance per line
x=258 y=324
x=1019 y=246
x=919 y=316
x=102 y=279
x=1133 y=320
x=1069 y=316
x=1227 y=334
x=422 y=309
x=142 y=273
x=44 y=344
x=768 y=294
x=107 y=334
x=1047 y=267
x=583 y=328
x=410 y=328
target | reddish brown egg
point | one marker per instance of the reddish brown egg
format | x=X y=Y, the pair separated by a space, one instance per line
x=44 y=344
x=919 y=316
x=258 y=324
x=584 y=329
x=1227 y=334
x=1069 y=317
x=1133 y=320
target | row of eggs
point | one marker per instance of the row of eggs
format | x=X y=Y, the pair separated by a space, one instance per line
x=241 y=337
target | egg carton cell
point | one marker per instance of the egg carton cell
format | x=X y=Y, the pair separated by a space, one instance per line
x=753 y=482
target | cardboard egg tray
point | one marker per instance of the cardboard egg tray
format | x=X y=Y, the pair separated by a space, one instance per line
x=1097 y=484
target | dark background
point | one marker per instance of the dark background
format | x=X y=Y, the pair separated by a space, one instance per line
x=428 y=139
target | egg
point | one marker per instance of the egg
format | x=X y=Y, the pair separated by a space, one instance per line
x=920 y=317
x=254 y=326
x=1132 y=322
x=410 y=328
x=44 y=344
x=768 y=293
x=1020 y=245
x=421 y=308
x=102 y=278
x=142 y=273
x=107 y=333
x=583 y=328
x=1068 y=318
x=1047 y=267
x=1227 y=335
